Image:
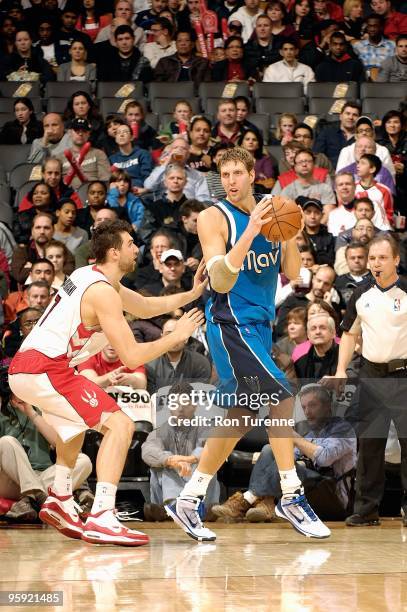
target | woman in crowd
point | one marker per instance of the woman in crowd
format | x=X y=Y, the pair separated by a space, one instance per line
x=231 y=68
x=199 y=137
x=280 y=27
x=287 y=122
x=394 y=138
x=42 y=199
x=57 y=253
x=25 y=58
x=81 y=106
x=302 y=17
x=65 y=229
x=108 y=141
x=137 y=162
x=121 y=197
x=25 y=127
x=78 y=69
x=252 y=141
x=353 y=20
x=92 y=18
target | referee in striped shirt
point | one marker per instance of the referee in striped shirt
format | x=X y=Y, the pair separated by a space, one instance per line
x=377 y=311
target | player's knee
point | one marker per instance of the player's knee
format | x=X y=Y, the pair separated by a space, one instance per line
x=122 y=426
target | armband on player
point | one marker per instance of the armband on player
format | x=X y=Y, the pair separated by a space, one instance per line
x=221 y=273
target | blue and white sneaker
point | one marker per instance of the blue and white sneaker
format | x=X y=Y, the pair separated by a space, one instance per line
x=299 y=513
x=187 y=513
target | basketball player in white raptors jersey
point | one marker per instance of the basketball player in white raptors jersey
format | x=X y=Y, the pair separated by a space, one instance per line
x=85 y=315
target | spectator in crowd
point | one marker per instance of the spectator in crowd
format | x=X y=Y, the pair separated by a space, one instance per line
x=280 y=26
x=322 y=358
x=65 y=229
x=232 y=68
x=53 y=52
x=96 y=200
x=339 y=66
x=394 y=138
x=163 y=44
x=289 y=69
x=394 y=68
x=105 y=369
x=368 y=168
x=145 y=19
x=322 y=288
x=243 y=108
x=41 y=270
x=92 y=18
x=20 y=328
x=8 y=30
x=187 y=233
x=178 y=152
x=364 y=129
x=214 y=184
x=322 y=241
x=303 y=19
x=26 y=470
x=343 y=217
x=252 y=141
x=95 y=165
x=123 y=15
x=305 y=184
x=57 y=253
x=81 y=106
x=287 y=122
x=324 y=9
x=182 y=116
x=247 y=15
x=184 y=65
x=352 y=22
x=199 y=137
x=135 y=161
x=261 y=50
x=27 y=58
x=25 y=128
x=121 y=197
x=304 y=134
x=172 y=272
x=329 y=444
x=363 y=209
x=296 y=332
x=178 y=364
x=227 y=128
x=78 y=68
x=161 y=241
x=395 y=23
x=331 y=139
x=172 y=451
x=356 y=259
x=35 y=295
x=123 y=62
x=362 y=232
x=144 y=135
x=42 y=199
x=83 y=255
x=68 y=32
x=286 y=165
x=53 y=142
x=375 y=49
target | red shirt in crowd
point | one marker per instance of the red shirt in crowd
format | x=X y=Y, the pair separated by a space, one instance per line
x=101 y=366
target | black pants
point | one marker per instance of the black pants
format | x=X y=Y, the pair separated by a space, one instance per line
x=383 y=398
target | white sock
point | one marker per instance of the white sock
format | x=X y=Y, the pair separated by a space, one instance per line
x=250 y=497
x=63 y=481
x=197 y=484
x=290 y=483
x=105 y=497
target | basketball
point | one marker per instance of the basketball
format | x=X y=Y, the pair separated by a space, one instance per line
x=286 y=221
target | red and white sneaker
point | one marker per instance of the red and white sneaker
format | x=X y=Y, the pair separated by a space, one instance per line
x=61 y=513
x=105 y=528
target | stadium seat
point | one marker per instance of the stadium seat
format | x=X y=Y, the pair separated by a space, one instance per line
x=24 y=189
x=107 y=89
x=12 y=155
x=7 y=105
x=116 y=106
x=10 y=89
x=383 y=90
x=56 y=105
x=152 y=119
x=321 y=106
x=215 y=90
x=326 y=90
x=65 y=89
x=6 y=212
x=180 y=91
x=166 y=105
x=280 y=105
x=262 y=122
x=275 y=152
x=278 y=90
x=379 y=106
x=22 y=173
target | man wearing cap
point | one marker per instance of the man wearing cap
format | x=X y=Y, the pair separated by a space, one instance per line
x=172 y=268
x=364 y=127
x=95 y=165
x=322 y=241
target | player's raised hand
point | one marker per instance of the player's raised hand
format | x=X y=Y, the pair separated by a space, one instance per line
x=189 y=322
x=260 y=215
x=200 y=280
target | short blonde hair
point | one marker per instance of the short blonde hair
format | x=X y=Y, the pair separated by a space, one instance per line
x=237 y=154
x=349 y=5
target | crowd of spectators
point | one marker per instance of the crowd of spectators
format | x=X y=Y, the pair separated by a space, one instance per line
x=349 y=176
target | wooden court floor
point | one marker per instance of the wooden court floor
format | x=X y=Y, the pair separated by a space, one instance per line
x=257 y=567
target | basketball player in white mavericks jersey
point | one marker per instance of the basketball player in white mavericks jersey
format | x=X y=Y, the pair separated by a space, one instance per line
x=85 y=315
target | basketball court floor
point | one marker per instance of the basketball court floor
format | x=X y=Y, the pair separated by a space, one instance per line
x=257 y=567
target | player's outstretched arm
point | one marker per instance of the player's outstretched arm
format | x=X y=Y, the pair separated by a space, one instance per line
x=106 y=305
x=147 y=307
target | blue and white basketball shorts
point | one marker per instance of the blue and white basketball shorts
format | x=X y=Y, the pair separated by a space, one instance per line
x=247 y=373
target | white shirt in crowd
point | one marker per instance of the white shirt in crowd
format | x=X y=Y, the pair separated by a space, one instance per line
x=347 y=157
x=248 y=21
x=340 y=219
x=282 y=72
x=154 y=52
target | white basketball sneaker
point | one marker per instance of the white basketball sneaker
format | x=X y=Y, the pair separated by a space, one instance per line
x=187 y=512
x=104 y=528
x=61 y=512
x=299 y=513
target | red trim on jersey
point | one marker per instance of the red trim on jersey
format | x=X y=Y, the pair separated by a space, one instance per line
x=85 y=397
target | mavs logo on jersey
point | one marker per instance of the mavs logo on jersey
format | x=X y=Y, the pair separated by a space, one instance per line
x=251 y=300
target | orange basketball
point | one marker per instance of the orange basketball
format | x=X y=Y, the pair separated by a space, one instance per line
x=286 y=221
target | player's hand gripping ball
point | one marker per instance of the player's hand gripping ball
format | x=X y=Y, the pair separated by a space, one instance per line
x=286 y=219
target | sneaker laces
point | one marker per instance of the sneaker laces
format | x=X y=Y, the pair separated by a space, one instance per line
x=302 y=502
